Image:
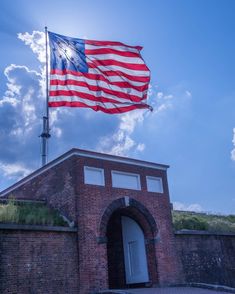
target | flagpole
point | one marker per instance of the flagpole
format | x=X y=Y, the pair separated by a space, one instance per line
x=46 y=129
x=47 y=80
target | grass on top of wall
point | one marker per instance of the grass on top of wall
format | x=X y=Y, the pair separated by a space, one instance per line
x=203 y=221
x=30 y=214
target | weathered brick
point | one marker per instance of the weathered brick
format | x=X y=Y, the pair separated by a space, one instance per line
x=207 y=258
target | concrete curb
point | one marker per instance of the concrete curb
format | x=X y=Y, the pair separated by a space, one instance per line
x=220 y=288
x=197 y=232
x=113 y=291
x=193 y=285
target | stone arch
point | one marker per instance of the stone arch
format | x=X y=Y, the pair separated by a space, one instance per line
x=134 y=209
x=110 y=235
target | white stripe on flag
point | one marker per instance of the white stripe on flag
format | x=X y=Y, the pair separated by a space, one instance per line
x=93 y=71
x=137 y=73
x=98 y=94
x=131 y=60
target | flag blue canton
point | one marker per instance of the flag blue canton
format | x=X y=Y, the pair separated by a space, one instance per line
x=67 y=53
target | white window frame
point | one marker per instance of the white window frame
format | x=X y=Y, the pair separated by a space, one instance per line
x=155 y=178
x=128 y=174
x=86 y=168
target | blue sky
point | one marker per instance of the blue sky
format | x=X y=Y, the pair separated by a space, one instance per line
x=189 y=47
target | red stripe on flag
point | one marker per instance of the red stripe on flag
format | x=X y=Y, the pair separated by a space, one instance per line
x=111 y=43
x=101 y=78
x=111 y=51
x=98 y=62
x=91 y=97
x=98 y=107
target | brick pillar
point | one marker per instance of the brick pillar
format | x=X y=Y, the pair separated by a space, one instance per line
x=93 y=267
x=169 y=266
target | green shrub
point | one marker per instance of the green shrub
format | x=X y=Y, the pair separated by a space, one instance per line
x=190 y=223
x=221 y=225
x=231 y=218
x=30 y=213
x=185 y=220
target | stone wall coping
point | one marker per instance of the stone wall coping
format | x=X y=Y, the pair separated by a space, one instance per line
x=6 y=200
x=37 y=228
x=194 y=232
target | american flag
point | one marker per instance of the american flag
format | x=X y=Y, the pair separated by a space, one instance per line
x=107 y=76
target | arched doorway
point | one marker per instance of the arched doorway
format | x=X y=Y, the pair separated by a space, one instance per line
x=130 y=252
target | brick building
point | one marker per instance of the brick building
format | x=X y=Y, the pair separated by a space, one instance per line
x=122 y=212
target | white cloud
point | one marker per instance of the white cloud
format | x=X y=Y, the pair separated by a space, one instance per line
x=188 y=93
x=57 y=132
x=185 y=207
x=10 y=68
x=121 y=142
x=140 y=147
x=14 y=170
x=150 y=90
x=21 y=108
x=36 y=41
x=233 y=151
x=161 y=102
x=23 y=95
x=160 y=95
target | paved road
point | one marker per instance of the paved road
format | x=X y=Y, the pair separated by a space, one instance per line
x=175 y=290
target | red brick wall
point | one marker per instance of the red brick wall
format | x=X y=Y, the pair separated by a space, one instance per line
x=63 y=187
x=56 y=186
x=37 y=262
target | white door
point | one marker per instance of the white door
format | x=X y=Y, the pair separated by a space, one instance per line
x=134 y=252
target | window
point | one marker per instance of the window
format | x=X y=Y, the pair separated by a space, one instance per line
x=93 y=176
x=125 y=180
x=154 y=184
